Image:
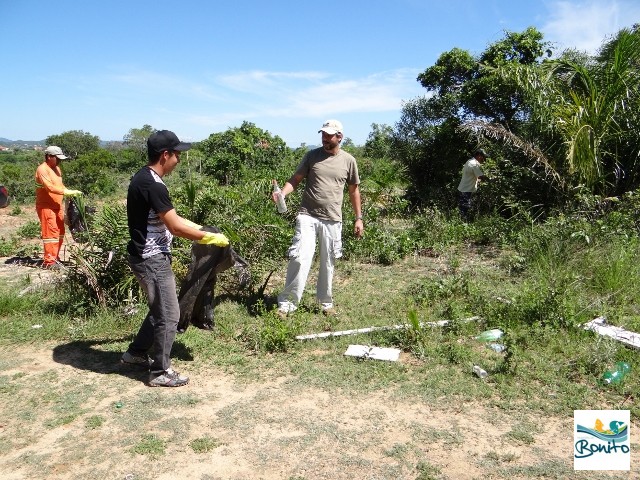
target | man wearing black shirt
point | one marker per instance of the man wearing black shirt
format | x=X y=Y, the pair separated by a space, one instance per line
x=153 y=222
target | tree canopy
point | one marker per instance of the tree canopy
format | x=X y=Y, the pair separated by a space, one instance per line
x=75 y=142
x=552 y=126
x=229 y=154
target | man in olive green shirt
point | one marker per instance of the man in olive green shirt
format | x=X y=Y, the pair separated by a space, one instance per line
x=326 y=170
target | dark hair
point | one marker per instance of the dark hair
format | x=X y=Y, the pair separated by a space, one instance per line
x=480 y=151
x=154 y=157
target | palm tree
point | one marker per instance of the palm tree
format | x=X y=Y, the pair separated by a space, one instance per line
x=590 y=105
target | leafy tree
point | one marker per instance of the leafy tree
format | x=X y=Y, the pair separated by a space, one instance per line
x=16 y=173
x=135 y=143
x=463 y=88
x=379 y=142
x=231 y=155
x=93 y=173
x=584 y=113
x=467 y=87
x=75 y=142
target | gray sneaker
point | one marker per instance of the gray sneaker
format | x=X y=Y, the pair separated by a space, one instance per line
x=136 y=360
x=169 y=378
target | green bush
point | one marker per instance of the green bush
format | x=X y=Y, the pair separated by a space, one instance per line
x=247 y=215
x=271 y=334
x=17 y=173
x=99 y=273
x=29 y=230
x=8 y=246
x=93 y=173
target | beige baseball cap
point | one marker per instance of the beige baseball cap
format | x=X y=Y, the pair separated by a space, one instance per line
x=331 y=127
x=56 y=151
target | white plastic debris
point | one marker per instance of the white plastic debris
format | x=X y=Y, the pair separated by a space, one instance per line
x=357 y=331
x=375 y=353
x=600 y=326
x=480 y=372
x=497 y=347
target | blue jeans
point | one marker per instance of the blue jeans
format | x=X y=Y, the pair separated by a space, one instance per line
x=158 y=330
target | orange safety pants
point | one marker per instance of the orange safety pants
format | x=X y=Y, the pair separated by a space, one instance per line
x=52 y=229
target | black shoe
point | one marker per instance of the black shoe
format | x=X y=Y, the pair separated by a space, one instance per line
x=142 y=361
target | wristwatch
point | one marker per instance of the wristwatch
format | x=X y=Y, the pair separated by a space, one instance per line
x=359 y=217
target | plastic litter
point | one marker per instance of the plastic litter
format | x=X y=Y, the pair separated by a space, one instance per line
x=480 y=372
x=601 y=327
x=490 y=335
x=617 y=374
x=281 y=204
x=497 y=347
x=373 y=353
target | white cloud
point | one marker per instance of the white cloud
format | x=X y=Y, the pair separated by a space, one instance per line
x=291 y=102
x=585 y=25
x=296 y=102
x=313 y=94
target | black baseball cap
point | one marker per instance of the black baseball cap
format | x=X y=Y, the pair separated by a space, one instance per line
x=166 y=140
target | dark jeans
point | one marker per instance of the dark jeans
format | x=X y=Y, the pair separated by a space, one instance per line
x=464 y=203
x=158 y=330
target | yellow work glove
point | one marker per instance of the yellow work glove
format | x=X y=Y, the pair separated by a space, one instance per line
x=192 y=224
x=217 y=239
x=71 y=193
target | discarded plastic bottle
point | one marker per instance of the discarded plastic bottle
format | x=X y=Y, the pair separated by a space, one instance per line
x=617 y=374
x=480 y=372
x=280 y=202
x=490 y=335
x=497 y=347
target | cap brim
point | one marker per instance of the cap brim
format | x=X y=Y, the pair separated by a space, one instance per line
x=62 y=157
x=181 y=147
x=330 y=131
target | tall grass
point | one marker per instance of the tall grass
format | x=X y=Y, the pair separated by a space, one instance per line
x=536 y=281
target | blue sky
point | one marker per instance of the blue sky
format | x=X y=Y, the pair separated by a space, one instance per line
x=199 y=67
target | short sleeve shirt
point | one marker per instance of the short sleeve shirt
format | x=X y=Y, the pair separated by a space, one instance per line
x=147 y=197
x=326 y=175
x=470 y=173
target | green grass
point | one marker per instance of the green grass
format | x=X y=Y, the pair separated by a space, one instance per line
x=550 y=361
x=204 y=444
x=150 y=445
x=539 y=297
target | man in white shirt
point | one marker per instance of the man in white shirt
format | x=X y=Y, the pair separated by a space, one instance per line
x=471 y=174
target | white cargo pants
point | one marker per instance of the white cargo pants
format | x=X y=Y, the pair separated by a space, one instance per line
x=301 y=252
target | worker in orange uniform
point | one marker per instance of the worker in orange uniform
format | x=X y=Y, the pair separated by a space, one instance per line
x=49 y=194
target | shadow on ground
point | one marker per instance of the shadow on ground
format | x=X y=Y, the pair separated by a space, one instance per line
x=88 y=355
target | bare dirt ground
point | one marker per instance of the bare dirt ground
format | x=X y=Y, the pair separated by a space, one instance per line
x=274 y=428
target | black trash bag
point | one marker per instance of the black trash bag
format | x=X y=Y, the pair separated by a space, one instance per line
x=78 y=220
x=197 y=289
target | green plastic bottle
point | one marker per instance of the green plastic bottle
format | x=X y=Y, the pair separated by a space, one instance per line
x=617 y=374
x=490 y=335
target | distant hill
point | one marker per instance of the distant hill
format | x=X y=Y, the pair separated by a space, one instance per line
x=7 y=142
